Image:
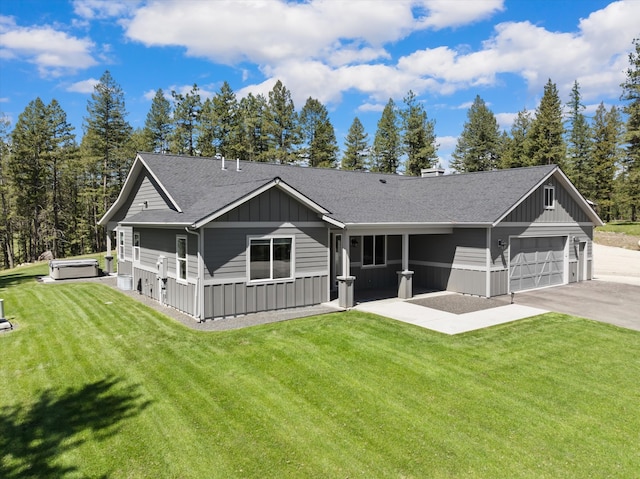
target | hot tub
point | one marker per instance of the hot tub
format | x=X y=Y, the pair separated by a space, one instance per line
x=73 y=268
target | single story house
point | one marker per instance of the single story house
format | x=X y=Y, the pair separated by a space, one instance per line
x=217 y=239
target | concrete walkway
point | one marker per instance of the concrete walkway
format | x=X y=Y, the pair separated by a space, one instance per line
x=444 y=322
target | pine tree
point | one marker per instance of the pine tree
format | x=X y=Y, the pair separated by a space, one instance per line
x=419 y=139
x=105 y=147
x=281 y=126
x=62 y=149
x=186 y=116
x=157 y=126
x=6 y=196
x=606 y=134
x=318 y=135
x=356 y=147
x=253 y=141
x=28 y=172
x=221 y=119
x=631 y=160
x=547 y=131
x=516 y=147
x=579 y=163
x=386 y=144
x=478 y=145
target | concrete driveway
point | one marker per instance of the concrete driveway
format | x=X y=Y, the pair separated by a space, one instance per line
x=612 y=297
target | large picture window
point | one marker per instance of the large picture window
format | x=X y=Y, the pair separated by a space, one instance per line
x=270 y=258
x=374 y=250
x=181 y=257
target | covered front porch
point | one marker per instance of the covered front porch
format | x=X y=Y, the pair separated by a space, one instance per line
x=374 y=262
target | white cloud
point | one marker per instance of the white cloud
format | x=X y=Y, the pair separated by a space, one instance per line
x=445 y=13
x=325 y=48
x=4 y=100
x=84 y=86
x=101 y=9
x=505 y=120
x=369 y=107
x=52 y=51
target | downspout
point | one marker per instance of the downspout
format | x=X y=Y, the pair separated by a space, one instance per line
x=196 y=295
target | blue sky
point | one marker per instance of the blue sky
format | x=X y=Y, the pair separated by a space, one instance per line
x=351 y=55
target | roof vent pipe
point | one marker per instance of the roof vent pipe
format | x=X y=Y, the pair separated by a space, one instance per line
x=223 y=167
x=237 y=164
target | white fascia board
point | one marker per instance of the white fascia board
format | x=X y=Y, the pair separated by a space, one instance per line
x=276 y=182
x=333 y=222
x=135 y=170
x=398 y=228
x=155 y=225
x=573 y=192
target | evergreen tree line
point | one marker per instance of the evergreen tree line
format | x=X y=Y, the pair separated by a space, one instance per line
x=54 y=189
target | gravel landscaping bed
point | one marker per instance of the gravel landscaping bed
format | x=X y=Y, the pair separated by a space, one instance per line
x=460 y=303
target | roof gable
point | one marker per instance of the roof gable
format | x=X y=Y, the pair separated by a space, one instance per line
x=202 y=190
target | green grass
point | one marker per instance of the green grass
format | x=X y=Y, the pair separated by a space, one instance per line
x=94 y=384
x=627 y=227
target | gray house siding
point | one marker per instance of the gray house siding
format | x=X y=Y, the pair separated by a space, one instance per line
x=146 y=190
x=499 y=264
x=532 y=208
x=227 y=291
x=377 y=277
x=452 y=262
x=272 y=205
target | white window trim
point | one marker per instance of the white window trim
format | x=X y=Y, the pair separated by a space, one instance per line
x=185 y=259
x=374 y=264
x=552 y=189
x=121 y=244
x=291 y=276
x=136 y=249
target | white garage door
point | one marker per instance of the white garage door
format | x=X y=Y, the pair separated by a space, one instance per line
x=536 y=262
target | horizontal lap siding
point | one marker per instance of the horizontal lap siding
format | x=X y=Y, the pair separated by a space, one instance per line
x=155 y=242
x=226 y=258
x=463 y=246
x=226 y=291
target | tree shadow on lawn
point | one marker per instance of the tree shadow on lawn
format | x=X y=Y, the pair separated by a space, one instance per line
x=32 y=437
x=17 y=278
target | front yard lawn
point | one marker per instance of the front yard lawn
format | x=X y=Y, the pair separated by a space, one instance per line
x=94 y=384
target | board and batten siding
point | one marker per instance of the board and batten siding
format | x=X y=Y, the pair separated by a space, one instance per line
x=274 y=205
x=532 y=208
x=227 y=291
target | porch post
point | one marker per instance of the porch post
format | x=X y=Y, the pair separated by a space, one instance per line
x=405 y=277
x=346 y=281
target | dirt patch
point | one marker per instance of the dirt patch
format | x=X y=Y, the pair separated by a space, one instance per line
x=619 y=240
x=460 y=303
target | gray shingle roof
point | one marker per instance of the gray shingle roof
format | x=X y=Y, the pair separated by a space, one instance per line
x=200 y=187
